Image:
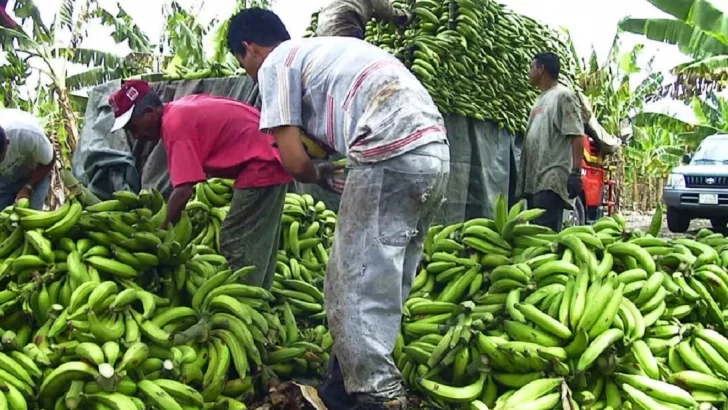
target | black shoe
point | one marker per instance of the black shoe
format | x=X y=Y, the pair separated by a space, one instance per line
x=335 y=397
x=333 y=392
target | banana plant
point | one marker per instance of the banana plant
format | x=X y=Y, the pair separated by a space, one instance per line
x=649 y=157
x=608 y=87
x=711 y=116
x=700 y=30
x=42 y=47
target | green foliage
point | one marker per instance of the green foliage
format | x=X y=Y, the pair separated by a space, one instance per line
x=609 y=88
x=125 y=29
x=711 y=118
x=700 y=30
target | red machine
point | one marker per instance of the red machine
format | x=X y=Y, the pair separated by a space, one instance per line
x=597 y=198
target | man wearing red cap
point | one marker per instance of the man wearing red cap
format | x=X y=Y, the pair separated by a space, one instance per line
x=213 y=136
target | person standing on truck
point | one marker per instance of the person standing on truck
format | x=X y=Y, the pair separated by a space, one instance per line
x=5 y=20
x=553 y=148
x=203 y=136
x=26 y=156
x=364 y=103
x=348 y=18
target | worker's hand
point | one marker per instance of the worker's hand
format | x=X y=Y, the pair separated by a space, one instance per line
x=327 y=171
x=404 y=18
x=575 y=185
x=24 y=193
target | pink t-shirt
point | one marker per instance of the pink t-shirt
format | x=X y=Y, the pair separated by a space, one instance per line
x=208 y=136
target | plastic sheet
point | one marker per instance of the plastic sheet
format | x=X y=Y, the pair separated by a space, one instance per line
x=103 y=161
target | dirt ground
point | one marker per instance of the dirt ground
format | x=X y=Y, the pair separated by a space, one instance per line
x=641 y=220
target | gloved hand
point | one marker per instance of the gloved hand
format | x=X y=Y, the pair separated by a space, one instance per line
x=574 y=186
x=326 y=172
x=404 y=18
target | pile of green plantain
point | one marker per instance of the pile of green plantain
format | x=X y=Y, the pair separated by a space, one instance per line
x=509 y=315
x=473 y=56
x=103 y=309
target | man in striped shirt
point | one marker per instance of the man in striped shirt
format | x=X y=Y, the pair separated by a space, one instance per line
x=362 y=102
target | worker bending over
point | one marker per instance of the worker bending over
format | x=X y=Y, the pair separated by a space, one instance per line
x=27 y=159
x=365 y=104
x=203 y=136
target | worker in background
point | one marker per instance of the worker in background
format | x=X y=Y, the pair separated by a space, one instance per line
x=552 y=152
x=364 y=103
x=27 y=159
x=348 y=18
x=207 y=135
x=5 y=20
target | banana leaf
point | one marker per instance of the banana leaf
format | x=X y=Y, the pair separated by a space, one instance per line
x=91 y=77
x=691 y=133
x=702 y=14
x=708 y=66
x=89 y=57
x=691 y=40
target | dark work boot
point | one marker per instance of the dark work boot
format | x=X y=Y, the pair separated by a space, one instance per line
x=332 y=391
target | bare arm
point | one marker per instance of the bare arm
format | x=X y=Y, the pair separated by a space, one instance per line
x=293 y=155
x=37 y=175
x=177 y=202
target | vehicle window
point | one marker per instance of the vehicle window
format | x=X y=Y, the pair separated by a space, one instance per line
x=711 y=151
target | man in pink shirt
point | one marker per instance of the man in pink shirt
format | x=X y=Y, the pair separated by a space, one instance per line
x=207 y=136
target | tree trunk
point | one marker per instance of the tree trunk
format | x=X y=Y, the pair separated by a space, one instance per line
x=635 y=190
x=70 y=123
x=660 y=187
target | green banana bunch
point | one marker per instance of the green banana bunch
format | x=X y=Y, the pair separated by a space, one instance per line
x=111 y=311
x=465 y=52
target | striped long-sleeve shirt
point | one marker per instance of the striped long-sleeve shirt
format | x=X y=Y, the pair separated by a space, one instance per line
x=350 y=96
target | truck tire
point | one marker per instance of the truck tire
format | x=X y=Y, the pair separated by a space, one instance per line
x=718 y=223
x=677 y=221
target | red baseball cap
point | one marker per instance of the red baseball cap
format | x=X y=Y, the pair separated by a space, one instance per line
x=124 y=101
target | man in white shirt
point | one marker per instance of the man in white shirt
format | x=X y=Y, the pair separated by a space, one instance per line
x=348 y=18
x=26 y=159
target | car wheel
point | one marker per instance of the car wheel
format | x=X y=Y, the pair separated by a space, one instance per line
x=718 y=223
x=576 y=216
x=677 y=221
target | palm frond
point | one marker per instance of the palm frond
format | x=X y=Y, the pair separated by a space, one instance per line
x=89 y=57
x=125 y=29
x=12 y=39
x=663 y=121
x=92 y=77
x=699 y=13
x=65 y=13
x=26 y=9
x=715 y=66
x=691 y=40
